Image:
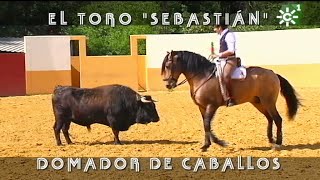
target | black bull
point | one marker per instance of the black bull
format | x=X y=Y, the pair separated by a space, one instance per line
x=115 y=106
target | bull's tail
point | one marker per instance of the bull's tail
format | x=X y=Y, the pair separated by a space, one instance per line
x=290 y=95
x=89 y=128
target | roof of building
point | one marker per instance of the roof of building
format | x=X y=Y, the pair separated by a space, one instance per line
x=11 y=44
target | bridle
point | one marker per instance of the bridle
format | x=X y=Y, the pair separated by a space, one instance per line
x=171 y=73
x=187 y=79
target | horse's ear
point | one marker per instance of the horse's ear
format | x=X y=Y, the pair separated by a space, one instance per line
x=168 y=52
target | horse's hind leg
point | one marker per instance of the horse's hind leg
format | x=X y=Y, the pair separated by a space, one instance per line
x=278 y=121
x=263 y=110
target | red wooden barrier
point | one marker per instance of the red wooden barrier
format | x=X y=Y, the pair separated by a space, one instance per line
x=12 y=74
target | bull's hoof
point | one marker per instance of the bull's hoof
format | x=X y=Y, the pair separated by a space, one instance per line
x=59 y=144
x=70 y=143
x=275 y=147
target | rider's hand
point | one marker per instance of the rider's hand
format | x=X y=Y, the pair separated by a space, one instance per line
x=213 y=56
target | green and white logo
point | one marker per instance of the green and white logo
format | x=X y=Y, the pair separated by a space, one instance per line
x=290 y=13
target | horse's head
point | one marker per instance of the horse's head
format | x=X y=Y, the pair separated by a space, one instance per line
x=171 y=69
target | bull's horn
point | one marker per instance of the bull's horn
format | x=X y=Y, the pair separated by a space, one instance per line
x=143 y=99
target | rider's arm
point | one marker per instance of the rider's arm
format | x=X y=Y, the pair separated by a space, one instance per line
x=231 y=43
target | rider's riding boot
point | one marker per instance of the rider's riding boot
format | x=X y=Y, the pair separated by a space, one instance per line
x=230 y=101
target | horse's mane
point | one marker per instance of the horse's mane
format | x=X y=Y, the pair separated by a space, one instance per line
x=191 y=62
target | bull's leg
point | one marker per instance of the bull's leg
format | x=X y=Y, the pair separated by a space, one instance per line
x=65 y=130
x=208 y=116
x=116 y=137
x=57 y=128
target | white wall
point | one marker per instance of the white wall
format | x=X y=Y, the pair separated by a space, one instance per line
x=255 y=48
x=47 y=53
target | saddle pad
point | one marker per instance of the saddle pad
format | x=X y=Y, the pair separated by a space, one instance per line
x=239 y=73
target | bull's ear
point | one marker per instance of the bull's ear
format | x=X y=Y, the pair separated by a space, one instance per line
x=138 y=97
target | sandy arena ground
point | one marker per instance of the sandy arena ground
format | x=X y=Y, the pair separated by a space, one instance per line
x=26 y=130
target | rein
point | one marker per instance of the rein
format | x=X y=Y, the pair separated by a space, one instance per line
x=212 y=73
x=185 y=80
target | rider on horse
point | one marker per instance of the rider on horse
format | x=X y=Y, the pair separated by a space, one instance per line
x=226 y=53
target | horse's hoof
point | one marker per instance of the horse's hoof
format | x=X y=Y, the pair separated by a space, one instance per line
x=271 y=145
x=272 y=142
x=117 y=143
x=204 y=148
x=222 y=143
x=275 y=147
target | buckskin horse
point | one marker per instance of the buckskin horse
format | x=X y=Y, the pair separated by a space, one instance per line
x=260 y=87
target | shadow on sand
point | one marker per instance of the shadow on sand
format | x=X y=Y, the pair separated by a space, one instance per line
x=290 y=147
x=143 y=142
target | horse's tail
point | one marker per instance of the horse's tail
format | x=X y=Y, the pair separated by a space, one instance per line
x=290 y=96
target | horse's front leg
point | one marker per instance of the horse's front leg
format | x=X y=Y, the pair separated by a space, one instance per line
x=207 y=116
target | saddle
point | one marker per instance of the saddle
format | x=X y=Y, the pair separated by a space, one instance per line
x=238 y=59
x=239 y=73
